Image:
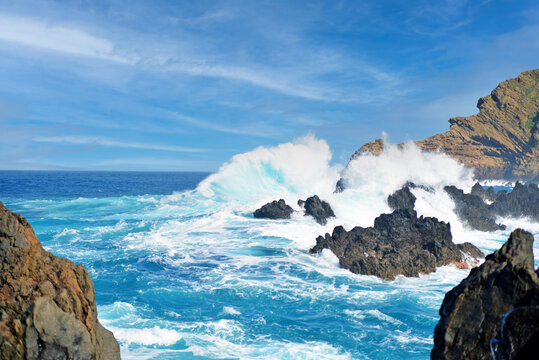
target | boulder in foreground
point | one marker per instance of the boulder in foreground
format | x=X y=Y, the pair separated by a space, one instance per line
x=47 y=303
x=502 y=292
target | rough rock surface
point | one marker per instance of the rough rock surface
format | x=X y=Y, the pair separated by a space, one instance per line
x=518 y=337
x=277 y=209
x=399 y=243
x=318 y=209
x=501 y=141
x=472 y=312
x=47 y=303
x=402 y=199
x=471 y=208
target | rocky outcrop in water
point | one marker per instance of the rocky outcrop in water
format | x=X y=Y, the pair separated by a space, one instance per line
x=402 y=199
x=398 y=243
x=472 y=312
x=473 y=211
x=522 y=201
x=277 y=209
x=47 y=303
x=501 y=141
x=320 y=210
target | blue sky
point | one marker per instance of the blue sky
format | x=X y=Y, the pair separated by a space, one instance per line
x=184 y=85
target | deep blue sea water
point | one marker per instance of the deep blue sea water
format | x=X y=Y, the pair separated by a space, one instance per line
x=182 y=270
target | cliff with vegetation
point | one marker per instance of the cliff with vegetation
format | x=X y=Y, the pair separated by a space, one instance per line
x=47 y=303
x=501 y=141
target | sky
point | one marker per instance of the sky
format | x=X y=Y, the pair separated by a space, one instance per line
x=185 y=85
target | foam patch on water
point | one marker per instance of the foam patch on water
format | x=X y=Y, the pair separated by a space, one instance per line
x=146 y=336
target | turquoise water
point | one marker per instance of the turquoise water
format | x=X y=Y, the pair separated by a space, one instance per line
x=184 y=271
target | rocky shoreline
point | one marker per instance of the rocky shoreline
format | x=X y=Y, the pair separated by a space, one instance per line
x=47 y=303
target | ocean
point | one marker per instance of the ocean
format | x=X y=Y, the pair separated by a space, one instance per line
x=182 y=269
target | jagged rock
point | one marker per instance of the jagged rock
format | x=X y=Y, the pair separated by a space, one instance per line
x=47 y=303
x=340 y=186
x=518 y=337
x=521 y=201
x=472 y=210
x=399 y=243
x=274 y=210
x=486 y=195
x=402 y=199
x=318 y=209
x=501 y=141
x=472 y=312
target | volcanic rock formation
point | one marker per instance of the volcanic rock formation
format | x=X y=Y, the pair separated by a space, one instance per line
x=320 y=210
x=522 y=201
x=502 y=141
x=47 y=303
x=495 y=307
x=399 y=243
x=277 y=209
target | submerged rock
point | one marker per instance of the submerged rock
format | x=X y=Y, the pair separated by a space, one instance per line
x=399 y=243
x=318 y=209
x=274 y=210
x=472 y=312
x=47 y=303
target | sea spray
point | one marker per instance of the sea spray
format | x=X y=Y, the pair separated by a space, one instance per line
x=194 y=275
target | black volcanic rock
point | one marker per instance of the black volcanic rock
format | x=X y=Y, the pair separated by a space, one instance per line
x=521 y=201
x=472 y=312
x=318 y=209
x=274 y=210
x=472 y=210
x=399 y=243
x=486 y=195
x=401 y=199
x=518 y=337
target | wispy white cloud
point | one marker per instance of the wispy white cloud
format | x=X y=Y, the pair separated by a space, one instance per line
x=259 y=131
x=292 y=79
x=88 y=140
x=47 y=36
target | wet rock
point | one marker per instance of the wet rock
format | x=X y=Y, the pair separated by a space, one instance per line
x=522 y=201
x=518 y=337
x=471 y=313
x=318 y=209
x=47 y=303
x=274 y=210
x=402 y=199
x=340 y=186
x=486 y=195
x=472 y=210
x=398 y=243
